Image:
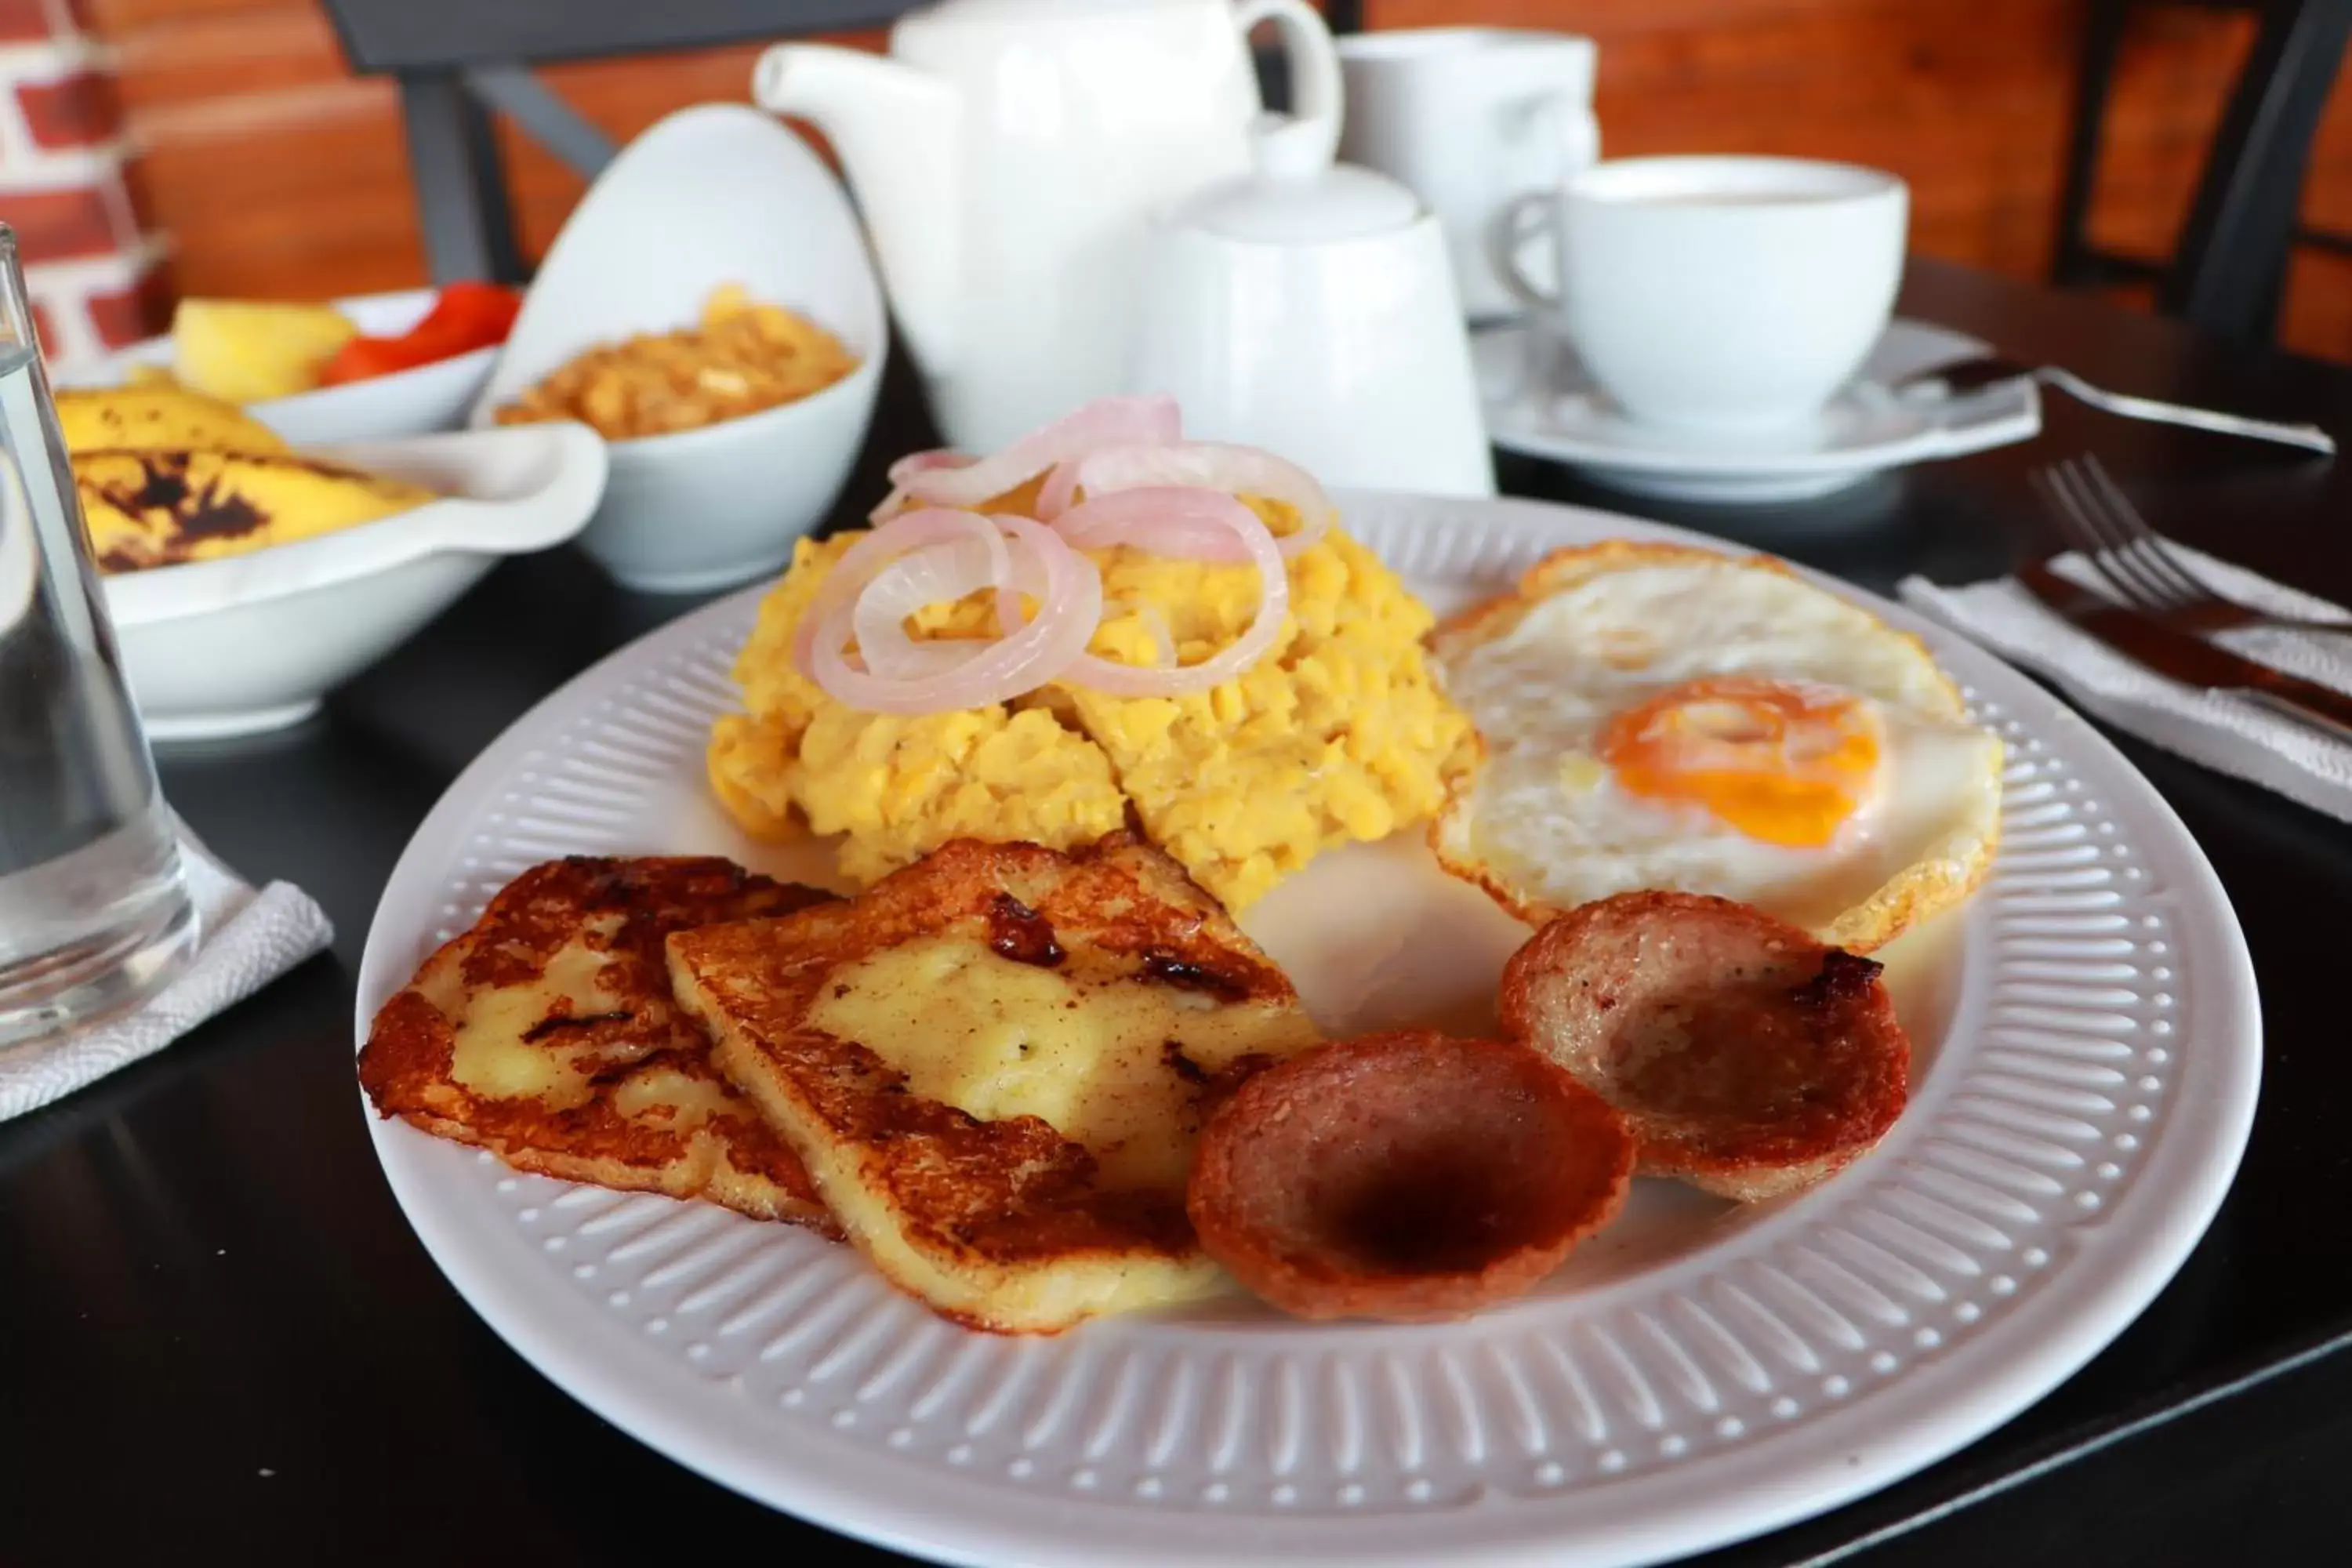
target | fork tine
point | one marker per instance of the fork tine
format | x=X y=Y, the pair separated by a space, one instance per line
x=2094 y=537
x=2138 y=567
x=2044 y=482
x=2149 y=548
x=2058 y=501
x=2057 y=484
x=2117 y=562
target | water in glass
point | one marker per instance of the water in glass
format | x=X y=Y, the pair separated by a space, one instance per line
x=94 y=911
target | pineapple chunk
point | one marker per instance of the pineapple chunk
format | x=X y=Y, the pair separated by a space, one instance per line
x=251 y=351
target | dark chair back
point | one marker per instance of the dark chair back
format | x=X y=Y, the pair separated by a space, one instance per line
x=459 y=60
x=2226 y=273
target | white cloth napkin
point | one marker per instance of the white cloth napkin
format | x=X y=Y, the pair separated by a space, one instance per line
x=2224 y=733
x=248 y=939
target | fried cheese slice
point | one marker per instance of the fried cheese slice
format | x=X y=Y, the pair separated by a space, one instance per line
x=547 y=1034
x=996 y=1063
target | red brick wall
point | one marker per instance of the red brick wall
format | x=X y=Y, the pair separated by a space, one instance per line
x=94 y=276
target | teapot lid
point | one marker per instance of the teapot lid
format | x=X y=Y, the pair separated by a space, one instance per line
x=1296 y=195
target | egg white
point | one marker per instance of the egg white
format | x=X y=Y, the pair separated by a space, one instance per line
x=1547 y=824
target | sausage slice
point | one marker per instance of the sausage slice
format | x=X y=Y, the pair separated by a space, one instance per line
x=1749 y=1060
x=1409 y=1176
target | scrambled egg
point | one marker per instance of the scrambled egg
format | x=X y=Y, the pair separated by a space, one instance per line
x=1338 y=734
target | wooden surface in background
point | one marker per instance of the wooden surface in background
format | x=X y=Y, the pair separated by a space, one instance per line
x=277 y=173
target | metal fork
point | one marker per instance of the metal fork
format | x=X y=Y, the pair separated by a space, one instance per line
x=2144 y=569
x=1962 y=376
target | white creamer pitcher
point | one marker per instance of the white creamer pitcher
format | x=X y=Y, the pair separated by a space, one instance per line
x=1008 y=156
x=1310 y=309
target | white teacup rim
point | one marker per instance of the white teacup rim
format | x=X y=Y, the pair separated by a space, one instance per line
x=1401 y=46
x=1713 y=181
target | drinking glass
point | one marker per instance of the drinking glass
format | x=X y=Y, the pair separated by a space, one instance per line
x=94 y=910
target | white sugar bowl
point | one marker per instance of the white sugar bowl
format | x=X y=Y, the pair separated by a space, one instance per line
x=1310 y=309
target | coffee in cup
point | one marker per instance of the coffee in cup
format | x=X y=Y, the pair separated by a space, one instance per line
x=1714 y=293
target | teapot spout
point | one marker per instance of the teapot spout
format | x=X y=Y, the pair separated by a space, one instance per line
x=896 y=130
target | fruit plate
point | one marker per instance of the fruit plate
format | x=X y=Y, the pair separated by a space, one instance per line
x=2087 y=1057
x=253 y=642
x=408 y=402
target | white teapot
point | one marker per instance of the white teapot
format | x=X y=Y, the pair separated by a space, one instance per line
x=1008 y=155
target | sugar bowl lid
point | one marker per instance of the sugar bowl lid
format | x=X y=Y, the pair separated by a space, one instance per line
x=1296 y=194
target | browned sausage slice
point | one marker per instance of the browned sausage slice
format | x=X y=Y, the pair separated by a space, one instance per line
x=1409 y=1176
x=1750 y=1060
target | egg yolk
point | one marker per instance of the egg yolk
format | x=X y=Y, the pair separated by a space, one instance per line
x=1783 y=765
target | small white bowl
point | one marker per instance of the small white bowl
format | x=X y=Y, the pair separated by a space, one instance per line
x=712 y=195
x=406 y=402
x=253 y=642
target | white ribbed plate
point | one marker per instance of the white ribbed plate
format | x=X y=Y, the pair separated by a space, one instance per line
x=2087 y=1058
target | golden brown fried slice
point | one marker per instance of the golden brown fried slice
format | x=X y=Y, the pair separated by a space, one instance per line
x=547 y=1034
x=996 y=1063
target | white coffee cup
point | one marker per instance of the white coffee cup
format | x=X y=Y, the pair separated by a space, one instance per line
x=1467 y=117
x=1715 y=294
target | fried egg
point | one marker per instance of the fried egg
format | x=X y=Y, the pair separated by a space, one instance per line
x=1660 y=716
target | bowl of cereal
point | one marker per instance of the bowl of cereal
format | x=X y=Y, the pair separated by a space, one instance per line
x=710 y=310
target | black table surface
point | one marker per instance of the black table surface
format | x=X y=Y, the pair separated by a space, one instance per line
x=216 y=1332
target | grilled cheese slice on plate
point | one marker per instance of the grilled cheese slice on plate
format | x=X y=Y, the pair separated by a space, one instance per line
x=547 y=1034
x=995 y=1063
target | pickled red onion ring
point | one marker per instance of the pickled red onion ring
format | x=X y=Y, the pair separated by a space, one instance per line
x=914 y=463
x=1061 y=487
x=1068 y=591
x=937 y=574
x=942 y=574
x=1144 y=488
x=906 y=469
x=1215 y=466
x=1106 y=422
x=1174 y=521
x=883 y=544
x=1155 y=626
x=1115 y=679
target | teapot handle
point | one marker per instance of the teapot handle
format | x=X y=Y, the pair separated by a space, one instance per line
x=1308 y=136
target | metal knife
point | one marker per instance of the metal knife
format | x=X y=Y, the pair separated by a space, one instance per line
x=2187 y=657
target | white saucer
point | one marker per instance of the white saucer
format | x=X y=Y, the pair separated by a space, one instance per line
x=1864 y=430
